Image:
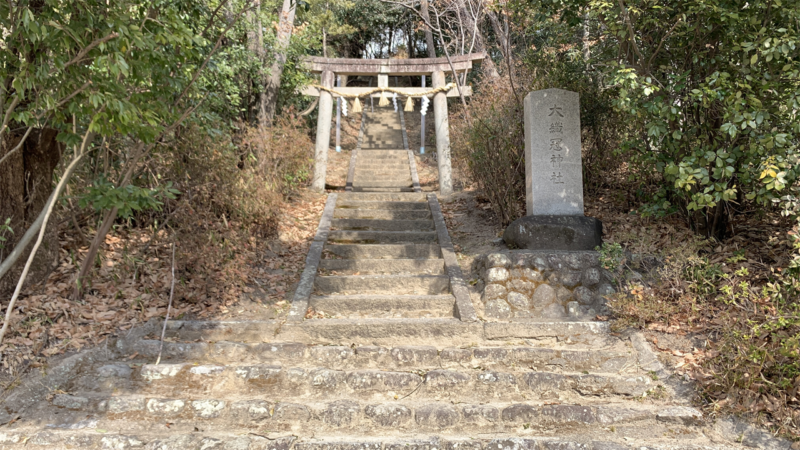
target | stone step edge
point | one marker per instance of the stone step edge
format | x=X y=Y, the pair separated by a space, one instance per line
x=48 y=438
x=432 y=415
x=592 y=389
x=492 y=330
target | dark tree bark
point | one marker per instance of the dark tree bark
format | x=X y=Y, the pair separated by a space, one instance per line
x=428 y=32
x=26 y=181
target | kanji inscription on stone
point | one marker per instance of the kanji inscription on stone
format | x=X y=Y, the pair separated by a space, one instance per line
x=553 y=171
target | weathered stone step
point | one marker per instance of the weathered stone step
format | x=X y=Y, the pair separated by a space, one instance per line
x=368 y=417
x=394 y=206
x=381 y=237
x=383 y=266
x=281 y=383
x=377 y=181
x=382 y=189
x=366 y=159
x=362 y=176
x=407 y=306
x=382 y=225
x=398 y=171
x=383 y=214
x=383 y=284
x=367 y=197
x=658 y=437
x=380 y=184
x=444 y=332
x=408 y=358
x=385 y=251
x=383 y=164
x=368 y=153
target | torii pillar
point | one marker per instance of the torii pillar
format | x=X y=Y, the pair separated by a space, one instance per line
x=323 y=140
x=442 y=135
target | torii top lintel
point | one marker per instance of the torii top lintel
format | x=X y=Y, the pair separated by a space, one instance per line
x=392 y=67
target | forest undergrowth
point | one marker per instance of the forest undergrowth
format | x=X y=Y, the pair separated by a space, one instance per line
x=738 y=294
x=241 y=225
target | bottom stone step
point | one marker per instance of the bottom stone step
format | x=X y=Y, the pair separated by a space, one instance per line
x=249 y=440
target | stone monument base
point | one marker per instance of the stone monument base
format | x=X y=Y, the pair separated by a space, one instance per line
x=554 y=233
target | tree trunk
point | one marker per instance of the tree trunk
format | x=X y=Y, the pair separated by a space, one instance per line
x=428 y=32
x=26 y=181
x=500 y=35
x=255 y=44
x=285 y=26
x=488 y=67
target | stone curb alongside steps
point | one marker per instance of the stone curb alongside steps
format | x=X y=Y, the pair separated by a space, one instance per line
x=464 y=309
x=306 y=285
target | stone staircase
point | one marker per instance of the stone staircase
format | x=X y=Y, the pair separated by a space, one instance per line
x=382 y=351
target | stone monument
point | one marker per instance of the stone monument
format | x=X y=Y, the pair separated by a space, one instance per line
x=553 y=177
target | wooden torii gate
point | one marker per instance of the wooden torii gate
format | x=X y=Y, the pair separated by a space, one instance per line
x=330 y=68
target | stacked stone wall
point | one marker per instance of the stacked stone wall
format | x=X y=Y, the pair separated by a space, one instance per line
x=538 y=285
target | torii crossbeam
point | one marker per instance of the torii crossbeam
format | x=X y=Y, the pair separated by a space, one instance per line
x=329 y=68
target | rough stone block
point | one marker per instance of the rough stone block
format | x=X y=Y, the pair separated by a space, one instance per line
x=247 y=410
x=114 y=370
x=119 y=442
x=415 y=356
x=517 y=300
x=150 y=372
x=494 y=292
x=568 y=414
x=208 y=409
x=546 y=385
x=445 y=381
x=512 y=444
x=496 y=275
x=583 y=295
x=456 y=356
x=45 y=438
x=78 y=441
x=291 y=412
x=591 y=276
x=331 y=356
x=611 y=415
x=388 y=415
x=497 y=382
x=520 y=285
x=555 y=233
x=462 y=445
x=681 y=415
x=574 y=309
x=70 y=401
x=326 y=379
x=497 y=309
x=165 y=407
x=497 y=260
x=436 y=416
x=554 y=311
x=490 y=356
x=119 y=405
x=341 y=413
x=543 y=296
x=532 y=275
x=571 y=278
x=481 y=414
x=520 y=414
